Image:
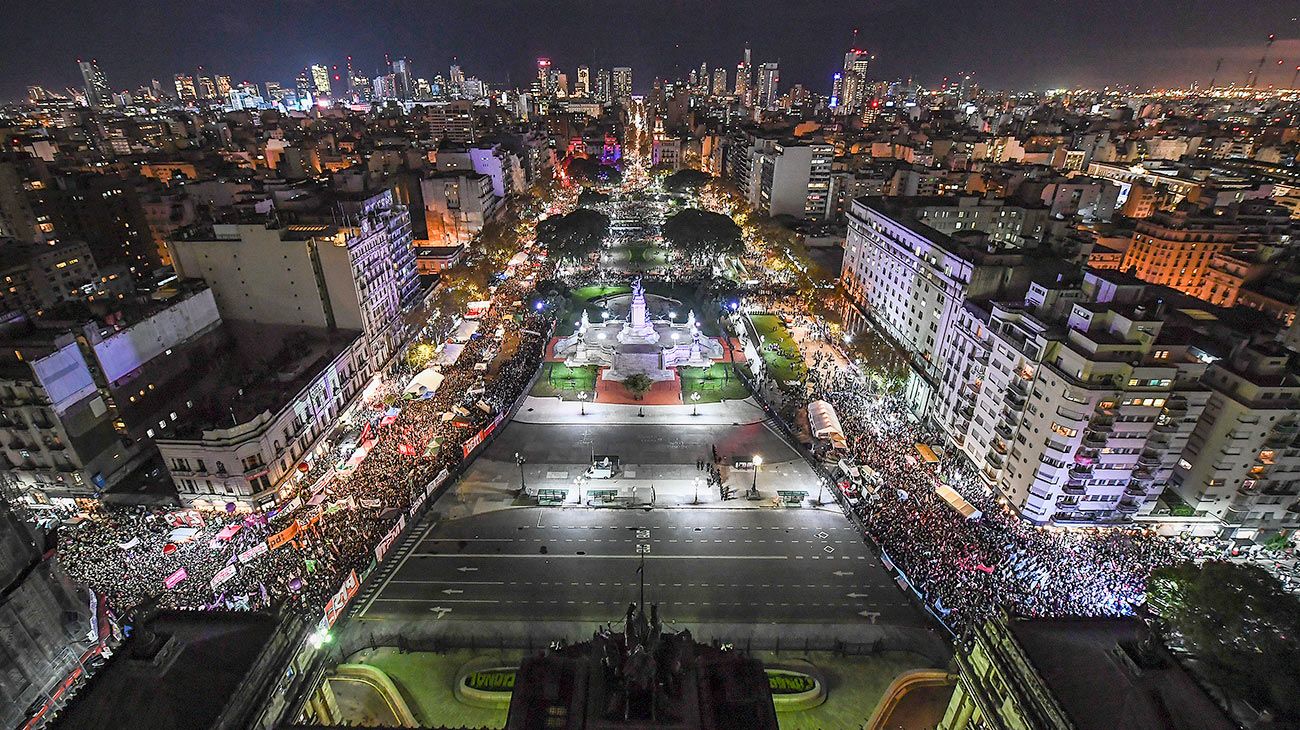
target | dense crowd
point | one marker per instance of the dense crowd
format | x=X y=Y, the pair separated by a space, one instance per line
x=344 y=506
x=967 y=568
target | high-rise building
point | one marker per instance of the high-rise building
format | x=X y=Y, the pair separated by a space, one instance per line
x=703 y=78
x=320 y=79
x=743 y=76
x=583 y=87
x=185 y=90
x=560 y=83
x=604 y=93
x=544 y=77
x=622 y=83
x=851 y=84
x=223 y=85
x=403 y=82
x=769 y=80
x=205 y=87
x=720 y=81
x=97 y=92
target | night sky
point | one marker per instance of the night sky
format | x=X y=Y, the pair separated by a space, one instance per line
x=1006 y=43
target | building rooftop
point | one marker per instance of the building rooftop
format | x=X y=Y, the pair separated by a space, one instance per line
x=1100 y=688
x=260 y=369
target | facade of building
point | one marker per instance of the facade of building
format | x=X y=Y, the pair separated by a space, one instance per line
x=1072 y=674
x=244 y=454
x=48 y=622
x=1242 y=458
x=457 y=203
x=1075 y=403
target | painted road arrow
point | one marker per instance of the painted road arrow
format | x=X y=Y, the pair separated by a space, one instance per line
x=450 y=591
x=842 y=573
x=466 y=569
x=440 y=611
x=850 y=595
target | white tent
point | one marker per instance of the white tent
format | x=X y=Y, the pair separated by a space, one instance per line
x=825 y=424
x=427 y=379
x=464 y=330
x=450 y=353
x=958 y=502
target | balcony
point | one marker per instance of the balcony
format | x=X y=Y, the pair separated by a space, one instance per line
x=1128 y=506
x=994 y=458
x=1074 y=490
x=1149 y=459
x=1166 y=427
x=1018 y=386
x=1078 y=471
x=1135 y=490
x=1085 y=457
x=1142 y=474
x=966 y=411
x=1094 y=439
x=1015 y=401
x=1004 y=431
x=1102 y=426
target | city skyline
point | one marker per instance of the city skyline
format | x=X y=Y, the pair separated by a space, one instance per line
x=1158 y=44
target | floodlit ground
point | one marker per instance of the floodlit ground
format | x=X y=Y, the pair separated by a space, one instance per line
x=561 y=381
x=784 y=363
x=715 y=383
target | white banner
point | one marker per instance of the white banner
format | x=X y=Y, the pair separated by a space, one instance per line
x=223 y=575
x=248 y=555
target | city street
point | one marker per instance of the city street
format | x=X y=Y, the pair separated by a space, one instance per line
x=748 y=566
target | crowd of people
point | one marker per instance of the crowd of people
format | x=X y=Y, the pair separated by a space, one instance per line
x=967 y=569
x=362 y=479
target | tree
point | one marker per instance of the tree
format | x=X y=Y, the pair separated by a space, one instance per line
x=638 y=384
x=589 y=170
x=686 y=181
x=575 y=236
x=704 y=236
x=589 y=197
x=1241 y=626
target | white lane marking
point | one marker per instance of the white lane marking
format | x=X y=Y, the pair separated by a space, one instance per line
x=468 y=556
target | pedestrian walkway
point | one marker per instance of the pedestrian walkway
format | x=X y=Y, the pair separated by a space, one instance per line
x=553 y=410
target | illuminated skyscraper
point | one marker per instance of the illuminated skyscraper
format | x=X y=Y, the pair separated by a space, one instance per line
x=583 y=87
x=743 y=70
x=769 y=79
x=622 y=83
x=704 y=78
x=851 y=91
x=720 y=81
x=97 y=93
x=544 y=79
x=185 y=87
x=320 y=79
x=603 y=90
x=223 y=85
x=403 y=85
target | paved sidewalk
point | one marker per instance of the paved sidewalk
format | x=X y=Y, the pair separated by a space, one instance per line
x=554 y=410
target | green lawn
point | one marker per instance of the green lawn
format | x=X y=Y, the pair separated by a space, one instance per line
x=785 y=363
x=714 y=383
x=595 y=291
x=426 y=680
x=560 y=380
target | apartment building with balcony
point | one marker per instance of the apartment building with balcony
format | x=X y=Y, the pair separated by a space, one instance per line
x=912 y=279
x=1242 y=460
x=256 y=414
x=1075 y=403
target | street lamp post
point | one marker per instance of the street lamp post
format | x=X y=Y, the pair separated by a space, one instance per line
x=582 y=403
x=696 y=482
x=519 y=459
x=695 y=403
x=758 y=462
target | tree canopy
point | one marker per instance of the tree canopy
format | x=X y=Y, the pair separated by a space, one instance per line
x=684 y=181
x=589 y=170
x=704 y=236
x=1239 y=623
x=591 y=197
x=575 y=236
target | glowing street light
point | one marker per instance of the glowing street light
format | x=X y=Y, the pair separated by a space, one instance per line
x=758 y=462
x=695 y=400
x=582 y=402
